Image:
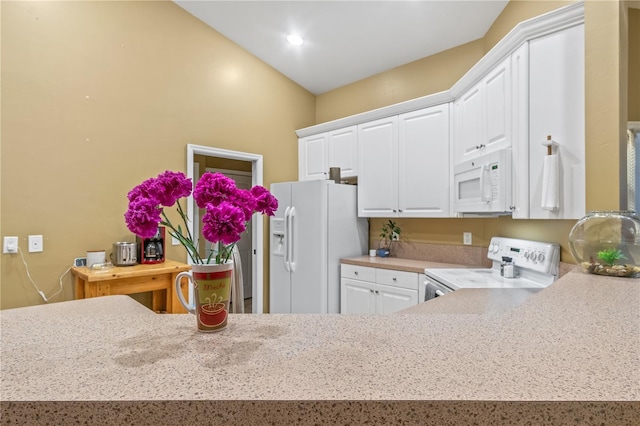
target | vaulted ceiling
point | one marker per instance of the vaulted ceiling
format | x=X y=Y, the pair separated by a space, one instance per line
x=345 y=41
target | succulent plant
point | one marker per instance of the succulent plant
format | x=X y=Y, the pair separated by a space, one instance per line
x=610 y=256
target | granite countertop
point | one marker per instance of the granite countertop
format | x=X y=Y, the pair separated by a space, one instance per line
x=569 y=354
x=398 y=264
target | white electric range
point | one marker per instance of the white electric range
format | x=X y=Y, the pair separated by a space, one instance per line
x=535 y=265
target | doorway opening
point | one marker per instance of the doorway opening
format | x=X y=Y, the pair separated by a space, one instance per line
x=246 y=169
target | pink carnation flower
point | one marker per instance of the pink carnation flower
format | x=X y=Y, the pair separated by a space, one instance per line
x=213 y=188
x=143 y=217
x=266 y=203
x=224 y=222
x=169 y=187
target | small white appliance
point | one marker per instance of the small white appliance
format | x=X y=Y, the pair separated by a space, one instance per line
x=315 y=225
x=483 y=185
x=530 y=264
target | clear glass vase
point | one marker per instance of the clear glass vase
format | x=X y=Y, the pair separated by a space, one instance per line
x=607 y=243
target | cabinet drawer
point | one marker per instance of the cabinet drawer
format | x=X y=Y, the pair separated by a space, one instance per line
x=355 y=272
x=397 y=278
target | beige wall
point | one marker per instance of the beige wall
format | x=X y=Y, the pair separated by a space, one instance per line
x=423 y=77
x=98 y=96
x=604 y=118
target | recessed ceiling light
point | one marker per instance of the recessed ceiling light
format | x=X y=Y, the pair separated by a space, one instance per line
x=295 y=39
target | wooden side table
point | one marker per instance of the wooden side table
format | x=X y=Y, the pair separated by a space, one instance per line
x=158 y=278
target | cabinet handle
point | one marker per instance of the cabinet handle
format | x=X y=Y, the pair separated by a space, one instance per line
x=395 y=279
x=355 y=272
x=377 y=292
x=371 y=290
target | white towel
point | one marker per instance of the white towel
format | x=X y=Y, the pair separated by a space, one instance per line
x=237 y=288
x=550 y=183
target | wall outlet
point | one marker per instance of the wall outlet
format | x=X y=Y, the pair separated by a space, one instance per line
x=10 y=245
x=395 y=236
x=35 y=244
x=79 y=262
x=467 y=238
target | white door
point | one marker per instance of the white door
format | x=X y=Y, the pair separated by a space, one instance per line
x=343 y=151
x=423 y=177
x=357 y=297
x=312 y=157
x=497 y=106
x=309 y=247
x=279 y=274
x=378 y=168
x=393 y=299
x=557 y=108
x=468 y=125
x=243 y=181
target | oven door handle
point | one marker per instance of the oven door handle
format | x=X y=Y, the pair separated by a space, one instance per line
x=439 y=293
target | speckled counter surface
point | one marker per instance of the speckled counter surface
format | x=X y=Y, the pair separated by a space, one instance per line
x=398 y=264
x=569 y=354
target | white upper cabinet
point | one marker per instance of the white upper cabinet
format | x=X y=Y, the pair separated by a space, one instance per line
x=343 y=151
x=557 y=109
x=318 y=153
x=483 y=115
x=520 y=132
x=313 y=157
x=403 y=165
x=378 y=168
x=423 y=158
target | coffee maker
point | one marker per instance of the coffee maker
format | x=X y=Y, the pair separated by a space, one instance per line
x=151 y=250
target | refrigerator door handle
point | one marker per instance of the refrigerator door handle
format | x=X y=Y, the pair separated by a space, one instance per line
x=287 y=233
x=292 y=238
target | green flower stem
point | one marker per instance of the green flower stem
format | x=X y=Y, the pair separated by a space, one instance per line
x=187 y=242
x=184 y=219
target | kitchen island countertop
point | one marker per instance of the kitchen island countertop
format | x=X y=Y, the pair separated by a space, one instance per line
x=569 y=354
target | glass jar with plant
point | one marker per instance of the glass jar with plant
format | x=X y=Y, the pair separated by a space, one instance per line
x=390 y=233
x=607 y=243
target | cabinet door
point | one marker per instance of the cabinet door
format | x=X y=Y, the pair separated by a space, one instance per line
x=483 y=115
x=423 y=163
x=377 y=168
x=497 y=107
x=343 y=151
x=557 y=108
x=357 y=297
x=393 y=299
x=520 y=132
x=312 y=157
x=468 y=125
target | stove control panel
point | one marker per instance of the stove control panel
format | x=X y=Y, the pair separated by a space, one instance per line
x=535 y=255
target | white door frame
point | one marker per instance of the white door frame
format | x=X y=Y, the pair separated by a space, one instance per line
x=257 y=236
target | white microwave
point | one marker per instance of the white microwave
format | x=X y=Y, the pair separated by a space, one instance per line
x=483 y=185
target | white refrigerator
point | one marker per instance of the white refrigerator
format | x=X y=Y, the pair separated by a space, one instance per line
x=315 y=225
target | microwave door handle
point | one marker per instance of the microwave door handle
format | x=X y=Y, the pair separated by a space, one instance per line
x=483 y=184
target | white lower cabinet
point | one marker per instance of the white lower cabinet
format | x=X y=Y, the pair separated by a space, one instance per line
x=365 y=290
